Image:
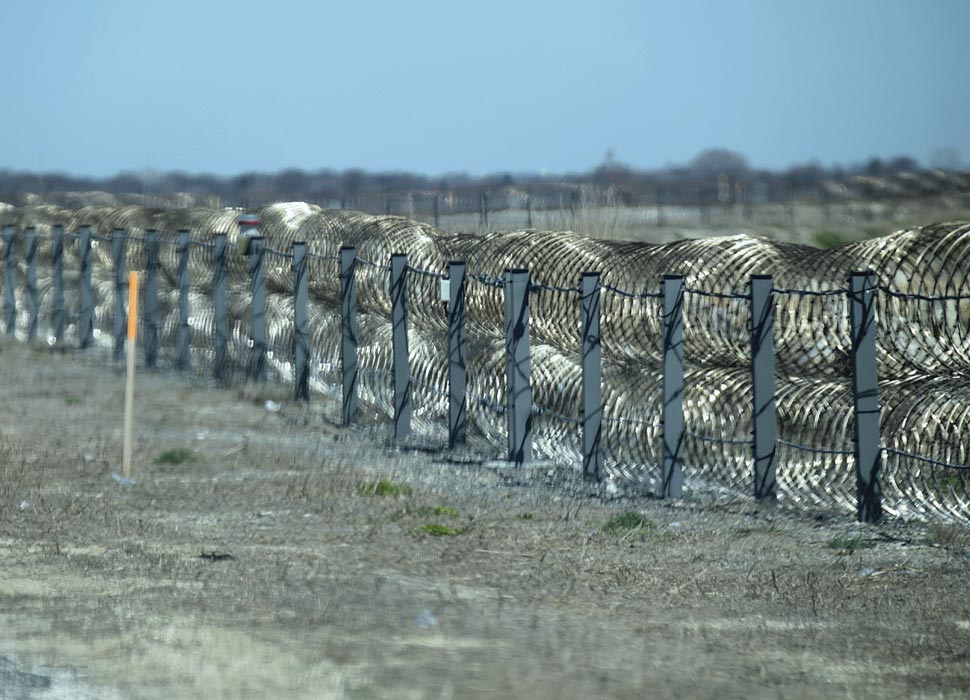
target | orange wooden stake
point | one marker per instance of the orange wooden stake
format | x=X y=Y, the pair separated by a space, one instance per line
x=130 y=378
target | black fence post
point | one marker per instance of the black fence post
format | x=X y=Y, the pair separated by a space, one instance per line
x=301 y=323
x=152 y=306
x=85 y=328
x=483 y=210
x=33 y=294
x=10 y=278
x=763 y=387
x=672 y=474
x=865 y=393
x=457 y=354
x=437 y=200
x=348 y=332
x=57 y=272
x=399 y=329
x=518 y=366
x=121 y=292
x=528 y=211
x=220 y=307
x=184 y=337
x=257 y=276
x=592 y=353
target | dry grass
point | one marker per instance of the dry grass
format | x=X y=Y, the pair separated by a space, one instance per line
x=359 y=571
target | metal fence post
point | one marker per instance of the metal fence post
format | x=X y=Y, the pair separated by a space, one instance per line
x=85 y=328
x=301 y=323
x=348 y=332
x=257 y=275
x=399 y=329
x=865 y=393
x=10 y=278
x=57 y=272
x=437 y=199
x=592 y=353
x=672 y=474
x=152 y=307
x=33 y=296
x=457 y=354
x=184 y=337
x=121 y=292
x=518 y=366
x=220 y=307
x=763 y=387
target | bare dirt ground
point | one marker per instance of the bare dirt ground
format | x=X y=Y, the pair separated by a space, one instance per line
x=452 y=578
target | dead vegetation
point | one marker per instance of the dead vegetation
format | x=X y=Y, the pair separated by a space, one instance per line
x=283 y=557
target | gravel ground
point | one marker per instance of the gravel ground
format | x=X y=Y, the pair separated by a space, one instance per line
x=271 y=554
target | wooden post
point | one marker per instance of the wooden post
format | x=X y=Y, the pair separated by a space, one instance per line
x=130 y=377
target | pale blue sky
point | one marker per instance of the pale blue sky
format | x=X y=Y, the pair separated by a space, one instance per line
x=225 y=86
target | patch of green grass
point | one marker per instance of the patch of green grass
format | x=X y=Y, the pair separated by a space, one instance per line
x=439 y=530
x=385 y=487
x=627 y=521
x=437 y=511
x=72 y=400
x=527 y=516
x=829 y=239
x=850 y=544
x=178 y=455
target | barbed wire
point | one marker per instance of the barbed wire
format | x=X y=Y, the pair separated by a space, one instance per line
x=908 y=296
x=631 y=295
x=277 y=253
x=201 y=244
x=538 y=410
x=427 y=273
x=810 y=293
x=719 y=441
x=819 y=450
x=633 y=421
x=928 y=460
x=325 y=258
x=717 y=295
x=371 y=263
x=488 y=281
x=539 y=286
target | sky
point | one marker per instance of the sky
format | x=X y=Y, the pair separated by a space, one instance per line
x=224 y=87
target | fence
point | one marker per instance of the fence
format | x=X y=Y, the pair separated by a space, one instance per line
x=521 y=376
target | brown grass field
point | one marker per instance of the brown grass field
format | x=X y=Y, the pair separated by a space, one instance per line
x=354 y=569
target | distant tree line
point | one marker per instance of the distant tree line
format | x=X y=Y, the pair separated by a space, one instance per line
x=713 y=176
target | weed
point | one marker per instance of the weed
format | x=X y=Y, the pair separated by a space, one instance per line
x=626 y=521
x=72 y=400
x=527 y=516
x=178 y=455
x=437 y=511
x=848 y=545
x=384 y=487
x=439 y=530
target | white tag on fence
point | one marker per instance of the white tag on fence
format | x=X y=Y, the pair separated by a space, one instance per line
x=446 y=290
